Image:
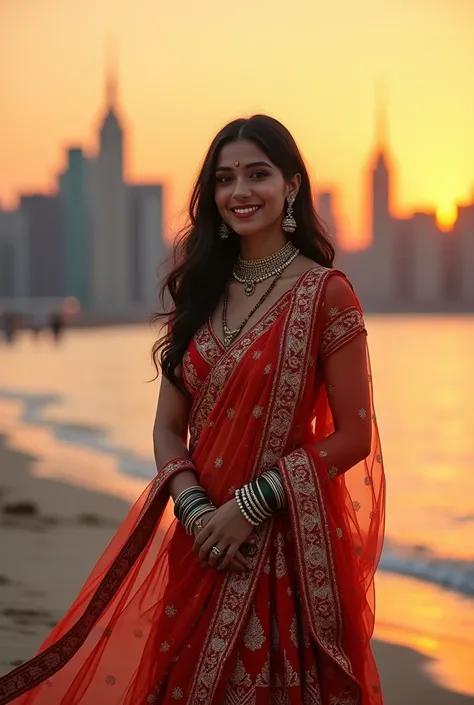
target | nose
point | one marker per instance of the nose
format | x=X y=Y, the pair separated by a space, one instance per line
x=242 y=189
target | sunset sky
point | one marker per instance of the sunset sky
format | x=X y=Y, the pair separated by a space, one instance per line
x=186 y=67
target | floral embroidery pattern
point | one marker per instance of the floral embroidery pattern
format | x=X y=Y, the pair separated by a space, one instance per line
x=319 y=590
x=344 y=326
x=238 y=589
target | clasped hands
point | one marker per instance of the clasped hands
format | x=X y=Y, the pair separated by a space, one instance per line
x=226 y=529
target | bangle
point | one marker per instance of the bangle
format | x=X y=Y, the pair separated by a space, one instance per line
x=262 y=497
x=243 y=508
x=190 y=504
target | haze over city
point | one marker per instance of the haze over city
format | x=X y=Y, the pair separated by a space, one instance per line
x=184 y=69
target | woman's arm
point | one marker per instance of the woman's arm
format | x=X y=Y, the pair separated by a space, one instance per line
x=170 y=434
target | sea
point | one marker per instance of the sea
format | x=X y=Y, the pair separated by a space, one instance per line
x=84 y=410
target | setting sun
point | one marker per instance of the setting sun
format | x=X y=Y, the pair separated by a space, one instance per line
x=446 y=215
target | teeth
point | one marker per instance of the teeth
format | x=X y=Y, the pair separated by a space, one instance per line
x=245 y=210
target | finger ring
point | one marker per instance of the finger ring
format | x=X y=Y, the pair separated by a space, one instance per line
x=216 y=551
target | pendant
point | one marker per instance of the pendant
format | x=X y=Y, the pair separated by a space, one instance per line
x=249 y=288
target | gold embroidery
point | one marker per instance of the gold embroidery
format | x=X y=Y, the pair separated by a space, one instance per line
x=254 y=636
x=362 y=413
x=170 y=611
x=257 y=411
x=333 y=472
x=292 y=678
x=280 y=561
x=356 y=506
x=379 y=458
x=177 y=693
x=230 y=413
x=206 y=344
x=219 y=462
x=339 y=533
x=238 y=588
x=311 y=534
x=323 y=454
x=225 y=365
x=267 y=369
x=333 y=311
x=367 y=480
x=257 y=354
x=341 y=330
x=110 y=680
x=190 y=375
x=165 y=646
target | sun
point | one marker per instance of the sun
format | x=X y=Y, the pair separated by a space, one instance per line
x=446 y=216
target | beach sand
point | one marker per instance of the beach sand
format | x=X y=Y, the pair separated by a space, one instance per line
x=46 y=555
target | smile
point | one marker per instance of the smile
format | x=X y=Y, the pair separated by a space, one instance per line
x=245 y=211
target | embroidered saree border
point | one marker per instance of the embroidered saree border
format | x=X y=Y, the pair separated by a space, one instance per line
x=223 y=369
x=343 y=328
x=316 y=568
x=237 y=591
x=48 y=662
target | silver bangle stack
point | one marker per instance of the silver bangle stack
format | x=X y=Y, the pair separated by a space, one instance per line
x=259 y=499
x=191 y=504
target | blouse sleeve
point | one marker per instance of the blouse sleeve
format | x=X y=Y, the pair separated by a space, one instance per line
x=343 y=357
x=341 y=316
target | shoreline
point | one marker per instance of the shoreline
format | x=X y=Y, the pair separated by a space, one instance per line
x=54 y=531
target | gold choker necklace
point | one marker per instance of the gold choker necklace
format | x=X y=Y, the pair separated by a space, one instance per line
x=250 y=272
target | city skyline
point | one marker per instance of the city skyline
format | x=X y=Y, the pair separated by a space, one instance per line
x=320 y=86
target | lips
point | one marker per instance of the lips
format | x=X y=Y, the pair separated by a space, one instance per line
x=245 y=211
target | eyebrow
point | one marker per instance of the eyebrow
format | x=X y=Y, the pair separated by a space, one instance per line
x=247 y=166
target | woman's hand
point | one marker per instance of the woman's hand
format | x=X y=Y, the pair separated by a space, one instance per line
x=227 y=529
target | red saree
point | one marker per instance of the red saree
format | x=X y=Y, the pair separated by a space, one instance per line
x=153 y=626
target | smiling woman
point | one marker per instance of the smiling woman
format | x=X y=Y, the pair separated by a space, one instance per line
x=261 y=589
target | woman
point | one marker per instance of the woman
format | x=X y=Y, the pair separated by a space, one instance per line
x=261 y=590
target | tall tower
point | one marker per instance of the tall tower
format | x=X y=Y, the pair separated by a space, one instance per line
x=382 y=267
x=111 y=273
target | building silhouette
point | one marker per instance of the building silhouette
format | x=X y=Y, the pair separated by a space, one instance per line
x=410 y=264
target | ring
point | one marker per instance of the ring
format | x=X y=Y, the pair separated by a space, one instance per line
x=216 y=551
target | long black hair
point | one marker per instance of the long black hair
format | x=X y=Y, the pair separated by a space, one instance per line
x=203 y=261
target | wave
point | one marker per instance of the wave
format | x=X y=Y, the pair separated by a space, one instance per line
x=416 y=561
x=94 y=437
x=421 y=563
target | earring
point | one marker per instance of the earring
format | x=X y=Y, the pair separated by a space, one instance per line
x=289 y=222
x=224 y=231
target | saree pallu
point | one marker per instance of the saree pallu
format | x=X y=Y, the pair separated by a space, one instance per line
x=151 y=625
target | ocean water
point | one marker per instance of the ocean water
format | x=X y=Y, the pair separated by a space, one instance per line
x=85 y=409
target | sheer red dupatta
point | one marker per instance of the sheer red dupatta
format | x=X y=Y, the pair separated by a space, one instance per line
x=337 y=508
x=148 y=601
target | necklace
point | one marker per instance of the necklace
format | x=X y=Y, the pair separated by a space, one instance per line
x=250 y=272
x=230 y=335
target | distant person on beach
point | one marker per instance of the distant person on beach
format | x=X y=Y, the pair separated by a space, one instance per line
x=9 y=327
x=56 y=324
x=260 y=589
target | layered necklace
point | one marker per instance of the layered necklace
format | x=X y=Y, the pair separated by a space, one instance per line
x=251 y=272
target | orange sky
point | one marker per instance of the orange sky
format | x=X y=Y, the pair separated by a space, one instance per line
x=186 y=67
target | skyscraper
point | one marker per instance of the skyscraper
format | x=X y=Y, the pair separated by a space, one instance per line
x=381 y=283
x=110 y=247
x=73 y=198
x=148 y=249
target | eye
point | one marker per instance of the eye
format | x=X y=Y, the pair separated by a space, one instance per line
x=259 y=174
x=223 y=179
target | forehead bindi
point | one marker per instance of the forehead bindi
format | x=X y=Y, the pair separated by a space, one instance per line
x=241 y=154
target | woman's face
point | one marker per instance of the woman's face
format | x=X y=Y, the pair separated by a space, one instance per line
x=250 y=190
